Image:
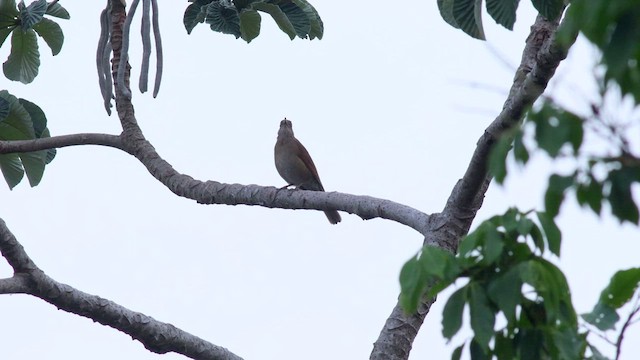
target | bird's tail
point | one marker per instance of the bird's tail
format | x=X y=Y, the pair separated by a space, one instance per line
x=333 y=216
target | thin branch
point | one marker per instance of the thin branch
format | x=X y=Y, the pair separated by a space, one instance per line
x=20 y=146
x=156 y=336
x=627 y=323
x=541 y=56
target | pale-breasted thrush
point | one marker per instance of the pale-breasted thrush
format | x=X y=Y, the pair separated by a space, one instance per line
x=294 y=164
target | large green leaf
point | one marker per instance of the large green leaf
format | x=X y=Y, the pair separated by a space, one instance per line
x=621 y=288
x=506 y=291
x=223 y=17
x=11 y=167
x=317 y=26
x=56 y=10
x=51 y=33
x=620 y=196
x=482 y=317
x=552 y=232
x=24 y=60
x=412 y=285
x=8 y=18
x=603 y=316
x=195 y=14
x=33 y=163
x=503 y=11
x=4 y=109
x=17 y=125
x=468 y=15
x=298 y=18
x=37 y=117
x=32 y=14
x=554 y=196
x=452 y=313
x=446 y=11
x=249 y=25
x=25 y=120
x=278 y=16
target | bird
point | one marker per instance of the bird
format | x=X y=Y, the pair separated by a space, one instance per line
x=295 y=166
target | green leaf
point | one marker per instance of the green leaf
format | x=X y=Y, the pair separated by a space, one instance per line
x=503 y=11
x=552 y=232
x=297 y=17
x=4 y=32
x=504 y=347
x=278 y=16
x=51 y=33
x=195 y=14
x=17 y=125
x=446 y=11
x=620 y=196
x=477 y=351
x=8 y=18
x=11 y=167
x=530 y=344
x=8 y=9
x=452 y=313
x=555 y=193
x=590 y=194
x=317 y=26
x=568 y=343
x=4 y=109
x=468 y=15
x=37 y=116
x=56 y=10
x=482 y=317
x=520 y=152
x=621 y=288
x=457 y=353
x=223 y=17
x=493 y=246
x=33 y=163
x=412 y=285
x=549 y=8
x=32 y=14
x=470 y=242
x=498 y=158
x=603 y=316
x=437 y=262
x=24 y=60
x=249 y=25
x=506 y=291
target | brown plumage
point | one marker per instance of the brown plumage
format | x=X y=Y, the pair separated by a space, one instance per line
x=294 y=164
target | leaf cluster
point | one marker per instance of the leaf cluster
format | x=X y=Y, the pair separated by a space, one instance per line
x=23 y=23
x=241 y=18
x=22 y=120
x=614 y=27
x=466 y=15
x=507 y=278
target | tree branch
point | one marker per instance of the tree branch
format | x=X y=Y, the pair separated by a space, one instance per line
x=20 y=146
x=541 y=56
x=156 y=336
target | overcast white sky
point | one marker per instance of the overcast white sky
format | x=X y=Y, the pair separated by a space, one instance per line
x=389 y=104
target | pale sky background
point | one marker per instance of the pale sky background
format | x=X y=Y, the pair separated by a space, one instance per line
x=389 y=104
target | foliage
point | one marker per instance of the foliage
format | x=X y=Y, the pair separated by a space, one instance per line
x=507 y=278
x=22 y=120
x=241 y=18
x=23 y=23
x=504 y=260
x=466 y=15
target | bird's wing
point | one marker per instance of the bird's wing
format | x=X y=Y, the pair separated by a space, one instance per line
x=308 y=162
